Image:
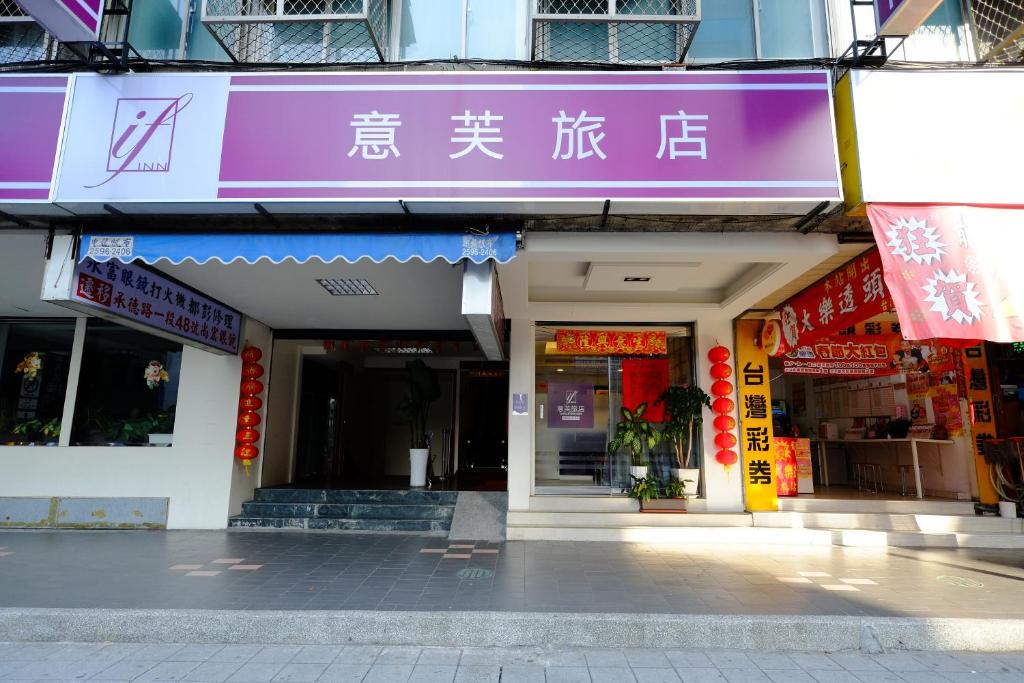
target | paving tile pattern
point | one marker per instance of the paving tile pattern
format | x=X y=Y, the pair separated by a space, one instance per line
x=257 y=663
x=270 y=570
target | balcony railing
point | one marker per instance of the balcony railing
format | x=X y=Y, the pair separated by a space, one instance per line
x=999 y=28
x=614 y=31
x=300 y=31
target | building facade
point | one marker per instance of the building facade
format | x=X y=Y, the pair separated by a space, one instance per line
x=523 y=195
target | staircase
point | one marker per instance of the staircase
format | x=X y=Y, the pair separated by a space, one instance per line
x=424 y=512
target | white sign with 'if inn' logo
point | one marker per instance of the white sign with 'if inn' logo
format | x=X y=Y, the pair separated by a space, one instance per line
x=142 y=137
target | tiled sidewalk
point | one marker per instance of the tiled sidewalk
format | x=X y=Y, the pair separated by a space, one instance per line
x=329 y=571
x=370 y=664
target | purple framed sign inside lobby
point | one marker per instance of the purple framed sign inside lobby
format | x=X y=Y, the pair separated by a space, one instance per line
x=462 y=137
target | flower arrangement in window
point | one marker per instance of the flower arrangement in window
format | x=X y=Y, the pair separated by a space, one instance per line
x=155 y=374
x=30 y=365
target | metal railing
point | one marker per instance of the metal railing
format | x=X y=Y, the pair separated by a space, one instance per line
x=300 y=31
x=614 y=31
x=999 y=30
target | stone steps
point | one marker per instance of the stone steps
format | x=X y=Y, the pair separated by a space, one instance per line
x=378 y=511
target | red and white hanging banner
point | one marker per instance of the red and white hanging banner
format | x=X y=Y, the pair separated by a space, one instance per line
x=850 y=294
x=954 y=272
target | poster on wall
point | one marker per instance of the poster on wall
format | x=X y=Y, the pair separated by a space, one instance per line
x=785 y=465
x=756 y=440
x=570 y=406
x=946 y=404
x=644 y=380
x=848 y=356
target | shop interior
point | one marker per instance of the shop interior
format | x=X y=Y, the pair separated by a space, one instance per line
x=579 y=399
x=343 y=420
x=853 y=429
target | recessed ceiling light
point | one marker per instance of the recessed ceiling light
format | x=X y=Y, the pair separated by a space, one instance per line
x=346 y=286
x=636 y=278
x=559 y=369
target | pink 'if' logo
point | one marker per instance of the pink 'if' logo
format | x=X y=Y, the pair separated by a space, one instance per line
x=142 y=136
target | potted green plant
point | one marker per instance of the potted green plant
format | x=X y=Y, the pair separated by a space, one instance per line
x=47 y=431
x=424 y=389
x=634 y=433
x=643 y=489
x=684 y=412
x=672 y=499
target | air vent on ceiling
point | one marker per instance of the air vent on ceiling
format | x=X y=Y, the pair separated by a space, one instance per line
x=344 y=286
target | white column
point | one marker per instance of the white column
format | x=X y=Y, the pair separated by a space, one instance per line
x=723 y=488
x=520 y=427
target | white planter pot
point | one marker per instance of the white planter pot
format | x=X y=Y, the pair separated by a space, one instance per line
x=418 y=458
x=638 y=471
x=161 y=439
x=1007 y=509
x=689 y=477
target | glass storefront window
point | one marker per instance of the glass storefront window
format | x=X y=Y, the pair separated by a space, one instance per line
x=34 y=359
x=726 y=31
x=127 y=389
x=579 y=401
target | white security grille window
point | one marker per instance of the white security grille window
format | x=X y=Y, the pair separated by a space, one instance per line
x=21 y=39
x=614 y=31
x=999 y=29
x=300 y=31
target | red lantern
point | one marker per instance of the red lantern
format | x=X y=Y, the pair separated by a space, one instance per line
x=725 y=440
x=718 y=354
x=721 y=371
x=726 y=457
x=248 y=435
x=251 y=354
x=252 y=370
x=723 y=405
x=248 y=419
x=246 y=451
x=721 y=388
x=250 y=403
x=725 y=423
x=252 y=387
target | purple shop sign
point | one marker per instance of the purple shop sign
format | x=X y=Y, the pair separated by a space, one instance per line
x=31 y=117
x=138 y=294
x=525 y=136
x=67 y=20
x=570 y=406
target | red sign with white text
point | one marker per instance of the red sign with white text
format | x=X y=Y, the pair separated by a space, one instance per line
x=848 y=356
x=849 y=295
x=954 y=271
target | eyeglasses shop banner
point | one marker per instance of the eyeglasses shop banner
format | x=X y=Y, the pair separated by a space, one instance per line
x=765 y=136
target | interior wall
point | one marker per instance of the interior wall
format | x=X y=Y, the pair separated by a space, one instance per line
x=282 y=412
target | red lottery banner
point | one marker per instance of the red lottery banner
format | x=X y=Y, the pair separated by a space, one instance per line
x=847 y=356
x=849 y=295
x=954 y=271
x=644 y=381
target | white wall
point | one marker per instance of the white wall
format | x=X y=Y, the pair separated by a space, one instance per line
x=195 y=473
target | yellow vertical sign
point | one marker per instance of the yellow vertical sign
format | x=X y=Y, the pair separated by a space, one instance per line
x=755 y=418
x=983 y=421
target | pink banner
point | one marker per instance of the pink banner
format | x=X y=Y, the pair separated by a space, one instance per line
x=31 y=115
x=953 y=272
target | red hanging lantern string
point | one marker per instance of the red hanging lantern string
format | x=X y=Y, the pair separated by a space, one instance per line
x=249 y=403
x=723 y=406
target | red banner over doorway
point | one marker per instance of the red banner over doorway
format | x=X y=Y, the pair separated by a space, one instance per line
x=954 y=272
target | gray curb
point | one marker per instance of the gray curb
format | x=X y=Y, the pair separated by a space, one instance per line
x=512 y=629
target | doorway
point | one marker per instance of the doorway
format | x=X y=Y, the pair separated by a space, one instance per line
x=317 y=448
x=483 y=425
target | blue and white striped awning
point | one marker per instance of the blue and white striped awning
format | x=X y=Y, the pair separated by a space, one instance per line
x=298 y=247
